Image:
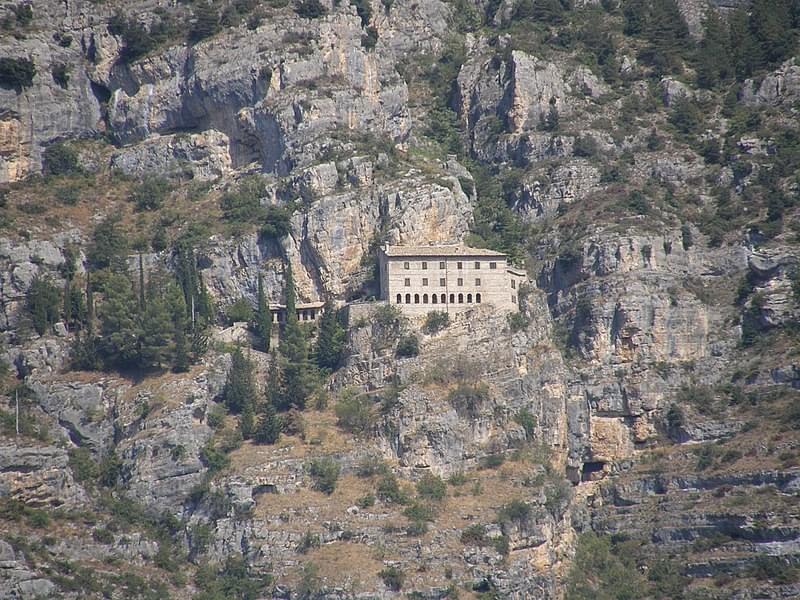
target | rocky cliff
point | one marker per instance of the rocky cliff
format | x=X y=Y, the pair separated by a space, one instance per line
x=644 y=397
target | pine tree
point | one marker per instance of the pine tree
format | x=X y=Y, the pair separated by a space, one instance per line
x=330 y=342
x=269 y=426
x=744 y=47
x=240 y=388
x=298 y=374
x=263 y=317
x=43 y=301
x=120 y=326
x=714 y=55
x=771 y=25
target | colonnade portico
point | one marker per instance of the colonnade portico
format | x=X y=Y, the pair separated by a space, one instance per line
x=308 y=311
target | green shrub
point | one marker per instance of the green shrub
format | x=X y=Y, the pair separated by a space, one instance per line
x=517 y=322
x=420 y=512
x=389 y=490
x=308 y=542
x=60 y=159
x=206 y=22
x=774 y=569
x=469 y=398
x=585 y=146
x=515 y=511
x=370 y=39
x=310 y=9
x=431 y=487
x=527 y=421
x=436 y=321
x=354 y=411
x=387 y=315
x=68 y=195
x=492 y=461
x=216 y=416
x=325 y=473
x=60 y=74
x=103 y=536
x=240 y=311
x=150 y=193
x=213 y=458
x=38 y=518
x=366 y=501
x=474 y=535
x=457 y=479
x=407 y=347
x=83 y=465
x=392 y=578
x=16 y=73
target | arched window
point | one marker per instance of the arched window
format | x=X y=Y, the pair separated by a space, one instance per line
x=434 y=299
x=444 y=299
x=408 y=298
x=461 y=298
x=416 y=298
x=399 y=298
x=469 y=298
x=452 y=298
x=424 y=298
x=478 y=298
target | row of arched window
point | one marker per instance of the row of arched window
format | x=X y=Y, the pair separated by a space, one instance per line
x=437 y=299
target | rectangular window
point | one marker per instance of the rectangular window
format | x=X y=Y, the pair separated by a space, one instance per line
x=460 y=281
x=408 y=282
x=460 y=265
x=513 y=299
x=406 y=266
x=424 y=281
x=492 y=265
x=441 y=264
x=477 y=265
x=441 y=282
x=513 y=284
x=424 y=266
x=477 y=283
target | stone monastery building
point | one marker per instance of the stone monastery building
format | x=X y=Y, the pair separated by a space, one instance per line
x=421 y=279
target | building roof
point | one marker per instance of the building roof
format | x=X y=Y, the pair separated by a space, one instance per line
x=453 y=250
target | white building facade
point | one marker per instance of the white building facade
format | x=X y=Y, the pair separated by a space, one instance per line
x=421 y=279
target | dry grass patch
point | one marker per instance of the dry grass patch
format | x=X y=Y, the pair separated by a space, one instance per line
x=344 y=564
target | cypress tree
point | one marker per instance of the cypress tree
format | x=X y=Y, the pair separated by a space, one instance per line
x=141 y=284
x=273 y=391
x=297 y=372
x=330 y=342
x=180 y=361
x=269 y=426
x=240 y=388
x=157 y=325
x=247 y=420
x=263 y=317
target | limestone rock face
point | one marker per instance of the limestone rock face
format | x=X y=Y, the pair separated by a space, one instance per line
x=38 y=477
x=255 y=100
x=331 y=240
x=203 y=156
x=426 y=430
x=782 y=86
